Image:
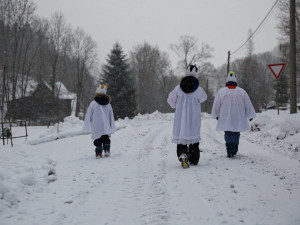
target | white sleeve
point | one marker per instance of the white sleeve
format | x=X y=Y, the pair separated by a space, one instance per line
x=203 y=96
x=216 y=107
x=250 y=111
x=88 y=119
x=172 y=98
x=112 y=120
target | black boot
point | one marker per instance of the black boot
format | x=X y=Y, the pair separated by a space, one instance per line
x=194 y=153
x=182 y=155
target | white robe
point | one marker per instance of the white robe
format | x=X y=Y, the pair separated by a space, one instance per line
x=187 y=121
x=99 y=119
x=233 y=108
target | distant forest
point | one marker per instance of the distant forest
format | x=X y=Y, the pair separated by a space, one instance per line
x=139 y=81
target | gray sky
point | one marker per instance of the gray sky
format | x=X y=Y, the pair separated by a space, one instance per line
x=223 y=24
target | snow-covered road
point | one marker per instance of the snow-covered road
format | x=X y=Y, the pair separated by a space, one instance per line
x=142 y=181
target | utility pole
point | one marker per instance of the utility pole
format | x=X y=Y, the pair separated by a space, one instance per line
x=293 y=86
x=228 y=62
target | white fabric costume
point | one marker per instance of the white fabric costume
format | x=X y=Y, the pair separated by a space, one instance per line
x=233 y=109
x=187 y=120
x=99 y=118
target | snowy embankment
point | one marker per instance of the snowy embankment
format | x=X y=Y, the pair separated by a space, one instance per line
x=55 y=179
x=280 y=132
x=72 y=126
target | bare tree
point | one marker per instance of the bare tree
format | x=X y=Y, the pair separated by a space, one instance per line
x=59 y=40
x=34 y=48
x=150 y=68
x=20 y=17
x=85 y=58
x=283 y=14
x=16 y=17
x=189 y=53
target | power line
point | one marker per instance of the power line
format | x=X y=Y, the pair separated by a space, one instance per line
x=242 y=49
x=256 y=28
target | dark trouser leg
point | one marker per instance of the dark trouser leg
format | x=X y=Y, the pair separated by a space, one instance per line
x=236 y=142
x=232 y=142
x=98 y=144
x=106 y=144
x=194 y=153
x=181 y=149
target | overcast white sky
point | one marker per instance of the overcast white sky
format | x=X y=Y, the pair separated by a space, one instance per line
x=223 y=24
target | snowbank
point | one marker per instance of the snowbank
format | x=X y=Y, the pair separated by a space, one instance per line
x=282 y=131
x=268 y=125
x=20 y=180
x=289 y=127
x=72 y=126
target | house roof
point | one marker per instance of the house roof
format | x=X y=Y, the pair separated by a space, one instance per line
x=59 y=88
x=30 y=88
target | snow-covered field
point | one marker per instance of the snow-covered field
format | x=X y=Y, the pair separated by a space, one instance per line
x=54 y=179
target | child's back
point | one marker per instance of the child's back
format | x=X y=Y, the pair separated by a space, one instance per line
x=100 y=120
x=232 y=108
x=187 y=120
x=186 y=98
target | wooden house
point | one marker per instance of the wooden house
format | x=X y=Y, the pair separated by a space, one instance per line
x=42 y=106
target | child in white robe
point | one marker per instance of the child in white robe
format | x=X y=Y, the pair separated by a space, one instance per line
x=100 y=119
x=186 y=99
x=232 y=108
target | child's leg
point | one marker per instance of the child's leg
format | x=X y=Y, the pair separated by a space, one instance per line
x=229 y=143
x=236 y=141
x=182 y=155
x=181 y=149
x=194 y=153
x=99 y=149
x=106 y=144
x=232 y=142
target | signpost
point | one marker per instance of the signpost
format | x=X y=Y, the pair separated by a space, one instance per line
x=277 y=69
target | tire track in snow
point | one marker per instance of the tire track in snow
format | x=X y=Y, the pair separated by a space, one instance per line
x=254 y=177
x=141 y=191
x=259 y=158
x=151 y=176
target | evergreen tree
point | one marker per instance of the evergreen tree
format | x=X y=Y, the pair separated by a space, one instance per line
x=116 y=75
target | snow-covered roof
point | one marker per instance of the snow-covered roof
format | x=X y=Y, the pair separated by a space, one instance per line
x=32 y=86
x=62 y=90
